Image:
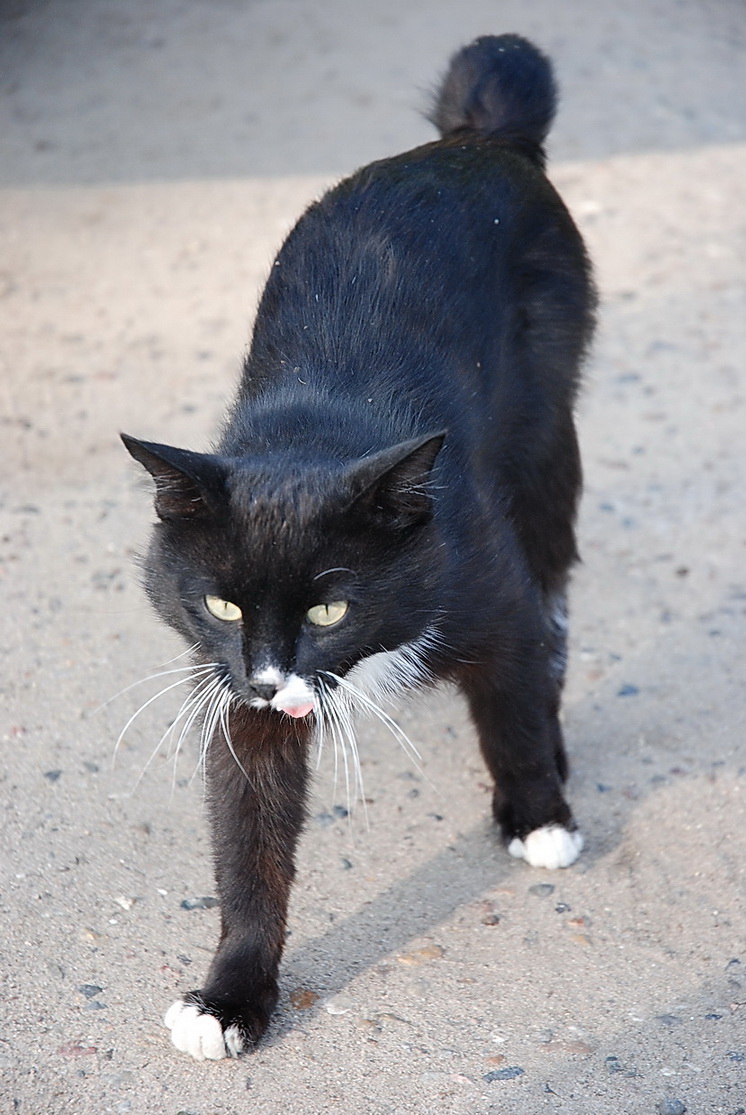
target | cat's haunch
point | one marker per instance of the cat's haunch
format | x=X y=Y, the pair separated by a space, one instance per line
x=391 y=503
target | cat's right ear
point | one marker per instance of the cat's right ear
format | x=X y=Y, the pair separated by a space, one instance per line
x=187 y=485
x=391 y=486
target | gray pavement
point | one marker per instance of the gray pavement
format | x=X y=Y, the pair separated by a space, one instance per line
x=153 y=155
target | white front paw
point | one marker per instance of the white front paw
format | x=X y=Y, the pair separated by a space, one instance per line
x=549 y=846
x=200 y=1034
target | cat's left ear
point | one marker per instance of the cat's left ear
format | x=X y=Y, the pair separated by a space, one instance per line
x=392 y=485
x=187 y=485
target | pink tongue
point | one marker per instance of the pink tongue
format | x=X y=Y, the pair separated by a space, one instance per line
x=299 y=710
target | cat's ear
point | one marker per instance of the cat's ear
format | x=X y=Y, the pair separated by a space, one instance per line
x=187 y=485
x=392 y=485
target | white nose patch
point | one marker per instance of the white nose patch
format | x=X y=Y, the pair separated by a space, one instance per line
x=295 y=697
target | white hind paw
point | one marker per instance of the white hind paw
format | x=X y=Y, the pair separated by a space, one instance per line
x=200 y=1034
x=549 y=846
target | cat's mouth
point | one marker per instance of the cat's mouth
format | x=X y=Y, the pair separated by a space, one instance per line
x=296 y=711
x=289 y=693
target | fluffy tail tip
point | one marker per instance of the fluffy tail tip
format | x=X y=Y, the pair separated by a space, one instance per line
x=499 y=85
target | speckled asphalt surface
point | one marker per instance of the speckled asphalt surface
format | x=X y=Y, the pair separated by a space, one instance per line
x=152 y=158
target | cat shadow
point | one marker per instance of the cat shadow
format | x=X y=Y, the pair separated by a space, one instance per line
x=607 y=787
x=471 y=865
x=474 y=862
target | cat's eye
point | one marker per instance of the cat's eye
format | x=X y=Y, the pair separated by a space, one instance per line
x=223 y=609
x=325 y=615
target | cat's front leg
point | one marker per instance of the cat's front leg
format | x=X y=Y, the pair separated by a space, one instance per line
x=256 y=791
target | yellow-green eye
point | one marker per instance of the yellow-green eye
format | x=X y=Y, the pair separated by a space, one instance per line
x=325 y=615
x=223 y=609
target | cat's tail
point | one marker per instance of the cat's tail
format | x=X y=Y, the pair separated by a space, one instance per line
x=500 y=86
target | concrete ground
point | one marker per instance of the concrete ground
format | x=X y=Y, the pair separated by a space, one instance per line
x=153 y=155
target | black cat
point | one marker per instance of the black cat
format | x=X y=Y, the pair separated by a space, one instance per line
x=391 y=502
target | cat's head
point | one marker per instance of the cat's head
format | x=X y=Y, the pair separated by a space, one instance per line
x=287 y=572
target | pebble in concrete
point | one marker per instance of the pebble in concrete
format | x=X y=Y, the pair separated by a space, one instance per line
x=671 y=1107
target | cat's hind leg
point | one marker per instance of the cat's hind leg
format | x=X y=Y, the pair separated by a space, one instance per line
x=555 y=610
x=515 y=711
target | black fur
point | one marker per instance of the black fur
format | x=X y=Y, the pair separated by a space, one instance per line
x=442 y=291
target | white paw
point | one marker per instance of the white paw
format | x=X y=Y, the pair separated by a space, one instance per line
x=549 y=846
x=200 y=1034
x=234 y=1043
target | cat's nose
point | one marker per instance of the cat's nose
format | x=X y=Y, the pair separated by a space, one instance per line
x=263 y=689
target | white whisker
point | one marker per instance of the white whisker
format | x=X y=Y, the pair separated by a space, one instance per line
x=332 y=718
x=190 y=708
x=329 y=722
x=321 y=723
x=208 y=728
x=191 y=711
x=152 y=677
x=219 y=702
x=225 y=703
x=187 y=707
x=370 y=706
x=381 y=676
x=142 y=708
x=345 y=762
